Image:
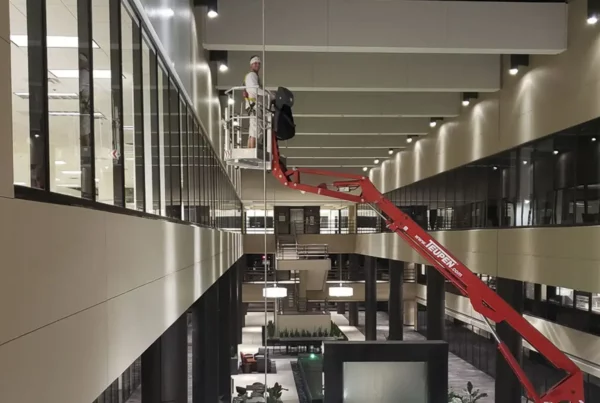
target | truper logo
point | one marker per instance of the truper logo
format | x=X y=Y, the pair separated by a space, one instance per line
x=440 y=254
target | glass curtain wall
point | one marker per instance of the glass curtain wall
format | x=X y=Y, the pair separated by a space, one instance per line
x=99 y=120
x=553 y=181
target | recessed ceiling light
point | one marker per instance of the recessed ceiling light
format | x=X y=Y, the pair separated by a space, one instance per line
x=58 y=162
x=555 y=152
x=409 y=139
x=513 y=71
x=212 y=14
x=230 y=101
x=592 y=19
x=524 y=162
x=51 y=41
x=365 y=169
x=593 y=138
x=376 y=161
x=433 y=123
x=223 y=67
x=526 y=201
x=390 y=151
x=465 y=102
x=75 y=73
x=495 y=168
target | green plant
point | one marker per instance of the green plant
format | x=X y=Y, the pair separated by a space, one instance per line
x=271 y=329
x=315 y=334
x=325 y=333
x=275 y=393
x=296 y=333
x=320 y=332
x=468 y=395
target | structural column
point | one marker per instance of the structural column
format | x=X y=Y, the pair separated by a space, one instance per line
x=211 y=342
x=370 y=298
x=224 y=332
x=199 y=335
x=233 y=307
x=436 y=304
x=341 y=308
x=241 y=269
x=165 y=366
x=508 y=387
x=353 y=276
x=395 y=308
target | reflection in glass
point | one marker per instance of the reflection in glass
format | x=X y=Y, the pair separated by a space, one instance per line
x=103 y=104
x=64 y=117
x=20 y=97
x=129 y=128
x=149 y=91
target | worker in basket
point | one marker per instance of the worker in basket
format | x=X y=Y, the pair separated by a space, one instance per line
x=254 y=96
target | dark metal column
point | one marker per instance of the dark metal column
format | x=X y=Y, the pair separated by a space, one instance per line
x=199 y=336
x=223 y=334
x=436 y=304
x=395 y=307
x=508 y=387
x=341 y=308
x=241 y=269
x=233 y=308
x=211 y=344
x=165 y=366
x=370 y=298
x=353 y=313
x=353 y=276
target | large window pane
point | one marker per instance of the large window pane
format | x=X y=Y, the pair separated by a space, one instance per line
x=185 y=201
x=129 y=124
x=163 y=137
x=150 y=130
x=102 y=103
x=20 y=96
x=175 y=151
x=64 y=119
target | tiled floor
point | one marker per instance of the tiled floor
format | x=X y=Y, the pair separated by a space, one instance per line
x=459 y=371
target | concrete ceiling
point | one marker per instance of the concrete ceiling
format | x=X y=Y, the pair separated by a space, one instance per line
x=367 y=75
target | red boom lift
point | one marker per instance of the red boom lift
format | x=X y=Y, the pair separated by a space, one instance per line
x=484 y=300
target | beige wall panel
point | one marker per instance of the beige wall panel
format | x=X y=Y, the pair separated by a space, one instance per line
x=567 y=257
x=63 y=362
x=476 y=248
x=554 y=93
x=53 y=264
x=255 y=243
x=72 y=276
x=6 y=143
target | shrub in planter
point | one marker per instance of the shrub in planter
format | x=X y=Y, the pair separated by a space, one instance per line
x=468 y=395
x=270 y=329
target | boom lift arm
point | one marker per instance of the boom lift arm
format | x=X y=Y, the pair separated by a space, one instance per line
x=484 y=300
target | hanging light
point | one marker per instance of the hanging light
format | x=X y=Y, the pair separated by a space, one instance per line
x=274 y=292
x=341 y=291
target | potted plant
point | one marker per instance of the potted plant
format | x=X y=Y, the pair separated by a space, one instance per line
x=270 y=329
x=468 y=395
x=274 y=393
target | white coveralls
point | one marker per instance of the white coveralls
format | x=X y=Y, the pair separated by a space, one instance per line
x=254 y=103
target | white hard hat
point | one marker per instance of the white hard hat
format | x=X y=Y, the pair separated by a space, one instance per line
x=255 y=59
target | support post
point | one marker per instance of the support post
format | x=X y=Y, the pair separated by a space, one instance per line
x=199 y=336
x=341 y=308
x=436 y=304
x=353 y=314
x=165 y=366
x=241 y=269
x=370 y=298
x=211 y=344
x=224 y=349
x=508 y=387
x=395 y=307
x=233 y=308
